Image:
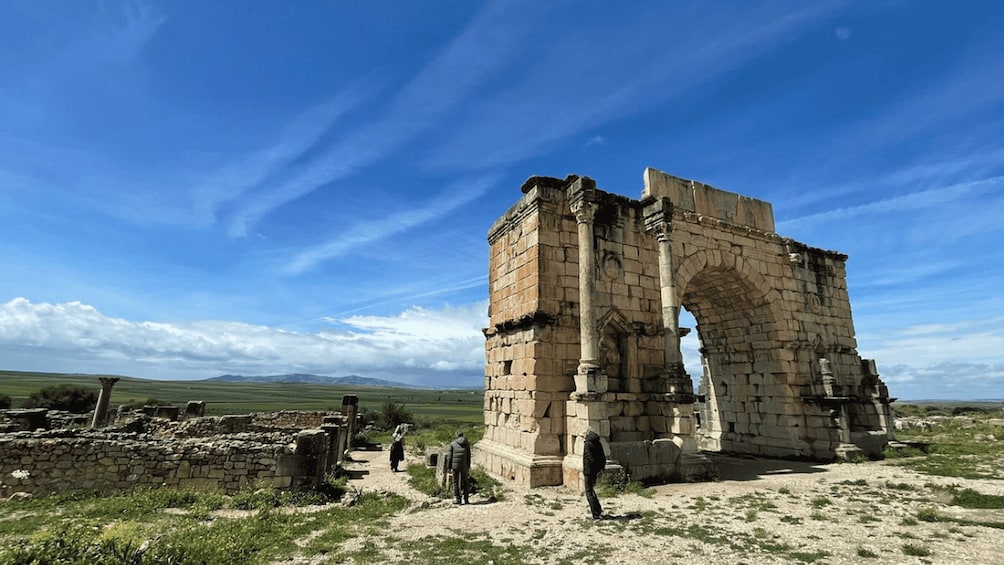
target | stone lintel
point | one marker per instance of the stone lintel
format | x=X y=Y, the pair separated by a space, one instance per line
x=706 y=200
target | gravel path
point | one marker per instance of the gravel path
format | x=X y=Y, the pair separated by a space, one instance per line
x=760 y=511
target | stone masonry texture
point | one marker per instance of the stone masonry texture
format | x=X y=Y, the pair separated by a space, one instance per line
x=781 y=377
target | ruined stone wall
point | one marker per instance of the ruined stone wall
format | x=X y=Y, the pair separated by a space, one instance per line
x=58 y=462
x=528 y=371
x=224 y=454
x=254 y=422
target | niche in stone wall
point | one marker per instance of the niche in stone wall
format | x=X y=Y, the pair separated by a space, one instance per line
x=618 y=355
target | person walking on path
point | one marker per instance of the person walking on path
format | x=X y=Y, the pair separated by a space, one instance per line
x=593 y=461
x=397 y=446
x=458 y=460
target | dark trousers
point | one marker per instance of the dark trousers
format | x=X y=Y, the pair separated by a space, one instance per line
x=460 y=477
x=594 y=503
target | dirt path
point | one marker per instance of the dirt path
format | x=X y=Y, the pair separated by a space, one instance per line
x=760 y=511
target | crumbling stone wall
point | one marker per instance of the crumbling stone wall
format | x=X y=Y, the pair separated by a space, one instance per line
x=224 y=454
x=255 y=422
x=586 y=288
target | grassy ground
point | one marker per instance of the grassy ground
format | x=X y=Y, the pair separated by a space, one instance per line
x=903 y=521
x=455 y=406
x=962 y=444
x=261 y=526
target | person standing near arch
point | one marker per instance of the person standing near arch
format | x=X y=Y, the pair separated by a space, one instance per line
x=458 y=460
x=593 y=461
x=397 y=446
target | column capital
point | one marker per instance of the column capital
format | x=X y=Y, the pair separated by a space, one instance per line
x=658 y=215
x=585 y=212
x=581 y=194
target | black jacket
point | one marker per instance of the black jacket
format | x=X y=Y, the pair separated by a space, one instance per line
x=593 y=457
x=458 y=455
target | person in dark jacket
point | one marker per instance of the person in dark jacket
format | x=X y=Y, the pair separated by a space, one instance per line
x=397 y=446
x=593 y=461
x=458 y=460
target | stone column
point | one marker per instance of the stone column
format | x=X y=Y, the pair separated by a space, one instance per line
x=104 y=397
x=659 y=221
x=350 y=410
x=589 y=377
x=658 y=214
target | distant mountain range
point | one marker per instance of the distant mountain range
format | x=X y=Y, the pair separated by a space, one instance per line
x=350 y=380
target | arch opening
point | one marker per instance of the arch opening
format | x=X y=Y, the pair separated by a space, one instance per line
x=728 y=358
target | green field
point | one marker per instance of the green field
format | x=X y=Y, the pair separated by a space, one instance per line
x=447 y=406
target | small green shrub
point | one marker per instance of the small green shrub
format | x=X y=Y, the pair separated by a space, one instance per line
x=393 y=414
x=71 y=398
x=809 y=556
x=969 y=498
x=820 y=502
x=866 y=553
x=611 y=484
x=916 y=550
x=486 y=485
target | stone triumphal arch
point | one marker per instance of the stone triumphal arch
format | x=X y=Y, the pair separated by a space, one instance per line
x=586 y=291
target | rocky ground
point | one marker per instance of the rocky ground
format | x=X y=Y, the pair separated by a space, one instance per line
x=759 y=511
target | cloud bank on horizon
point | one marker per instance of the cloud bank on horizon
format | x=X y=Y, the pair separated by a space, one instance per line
x=192 y=189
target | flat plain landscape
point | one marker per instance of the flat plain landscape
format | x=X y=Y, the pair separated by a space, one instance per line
x=940 y=501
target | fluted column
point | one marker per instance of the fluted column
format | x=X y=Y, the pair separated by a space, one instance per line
x=589 y=377
x=104 y=397
x=658 y=221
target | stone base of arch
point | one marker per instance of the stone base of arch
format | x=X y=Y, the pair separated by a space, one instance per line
x=526 y=469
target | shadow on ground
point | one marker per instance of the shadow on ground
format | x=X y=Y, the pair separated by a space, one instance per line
x=740 y=468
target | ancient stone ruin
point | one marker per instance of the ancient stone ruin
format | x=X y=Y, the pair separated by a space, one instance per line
x=47 y=451
x=586 y=291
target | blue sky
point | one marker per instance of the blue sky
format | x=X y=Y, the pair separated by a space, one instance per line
x=195 y=188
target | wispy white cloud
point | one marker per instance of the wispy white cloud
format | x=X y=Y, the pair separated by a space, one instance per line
x=362 y=234
x=413 y=346
x=126 y=29
x=934 y=201
x=963 y=92
x=469 y=60
x=212 y=188
x=960 y=359
x=587 y=77
x=461 y=322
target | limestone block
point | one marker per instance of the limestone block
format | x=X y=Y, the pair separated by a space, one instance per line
x=540 y=408
x=622 y=424
x=544 y=444
x=634 y=408
x=642 y=424
x=658 y=424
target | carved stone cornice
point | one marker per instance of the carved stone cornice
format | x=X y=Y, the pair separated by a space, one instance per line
x=658 y=215
x=581 y=194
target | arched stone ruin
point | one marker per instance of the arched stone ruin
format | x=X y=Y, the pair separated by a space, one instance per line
x=586 y=292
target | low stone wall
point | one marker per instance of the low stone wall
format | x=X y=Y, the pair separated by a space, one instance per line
x=30 y=419
x=50 y=461
x=258 y=422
